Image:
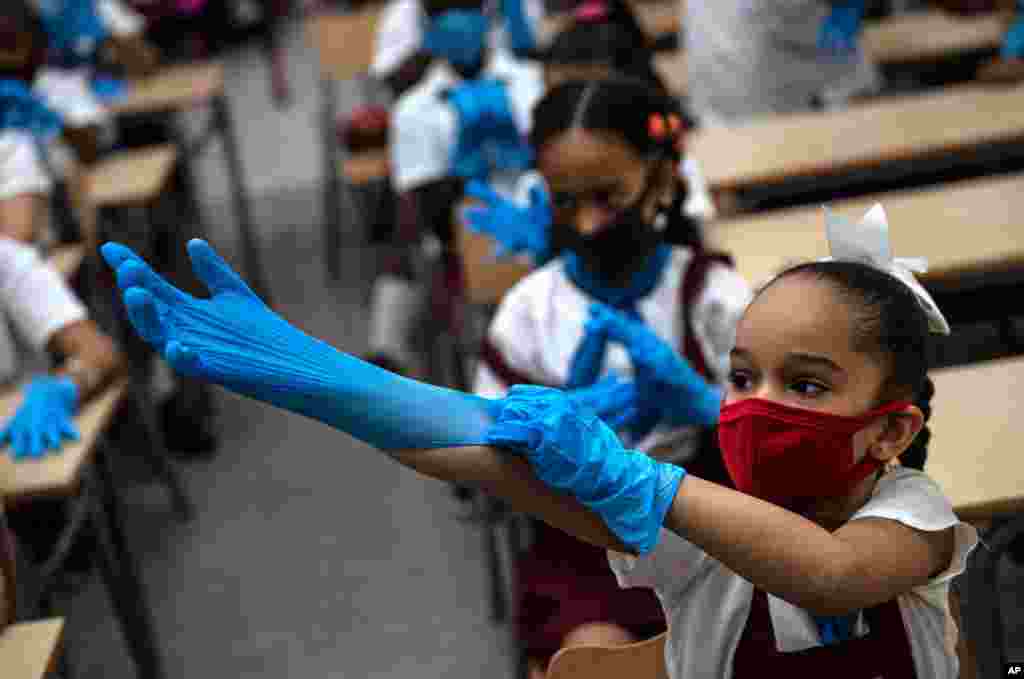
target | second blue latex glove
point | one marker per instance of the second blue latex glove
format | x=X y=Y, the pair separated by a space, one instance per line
x=517 y=229
x=75 y=29
x=1013 y=41
x=572 y=450
x=669 y=390
x=45 y=418
x=233 y=339
x=839 y=31
x=520 y=34
x=21 y=109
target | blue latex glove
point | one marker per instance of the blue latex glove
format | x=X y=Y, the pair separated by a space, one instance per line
x=516 y=229
x=488 y=137
x=669 y=390
x=233 y=339
x=574 y=451
x=44 y=420
x=109 y=90
x=75 y=29
x=517 y=24
x=459 y=36
x=21 y=109
x=1013 y=41
x=610 y=399
x=839 y=31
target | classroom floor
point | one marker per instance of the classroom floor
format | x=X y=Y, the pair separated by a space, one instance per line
x=312 y=555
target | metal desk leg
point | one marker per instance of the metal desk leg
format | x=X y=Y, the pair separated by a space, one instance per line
x=250 y=248
x=984 y=621
x=120 y=575
x=332 y=183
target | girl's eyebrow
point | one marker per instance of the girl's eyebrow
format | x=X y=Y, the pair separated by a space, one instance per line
x=815 y=360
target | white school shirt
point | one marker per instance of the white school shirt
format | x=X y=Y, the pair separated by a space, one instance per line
x=707 y=605
x=400 y=33
x=35 y=302
x=540 y=324
x=749 y=58
x=425 y=127
x=22 y=169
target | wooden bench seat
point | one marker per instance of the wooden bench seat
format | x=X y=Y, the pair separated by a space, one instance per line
x=130 y=177
x=173 y=88
x=29 y=650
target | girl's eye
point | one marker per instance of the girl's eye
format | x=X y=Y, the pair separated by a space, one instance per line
x=740 y=380
x=809 y=389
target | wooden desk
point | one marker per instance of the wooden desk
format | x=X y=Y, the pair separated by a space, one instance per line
x=175 y=87
x=131 y=176
x=67 y=259
x=29 y=650
x=775 y=149
x=362 y=168
x=643 y=660
x=920 y=36
x=963 y=228
x=487 y=279
x=976 y=433
x=345 y=43
x=57 y=474
x=671 y=67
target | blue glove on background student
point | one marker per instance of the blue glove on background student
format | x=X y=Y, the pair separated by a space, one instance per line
x=668 y=388
x=44 y=419
x=838 y=32
x=487 y=135
x=517 y=24
x=1013 y=41
x=21 y=109
x=574 y=451
x=517 y=229
x=74 y=27
x=458 y=36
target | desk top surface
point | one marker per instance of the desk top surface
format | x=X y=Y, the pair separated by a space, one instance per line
x=57 y=474
x=174 y=87
x=135 y=176
x=28 y=650
x=345 y=43
x=774 y=149
x=961 y=228
x=974 y=452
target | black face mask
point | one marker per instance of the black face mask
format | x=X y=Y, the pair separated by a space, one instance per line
x=621 y=246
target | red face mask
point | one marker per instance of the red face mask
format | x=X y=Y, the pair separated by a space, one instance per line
x=785 y=455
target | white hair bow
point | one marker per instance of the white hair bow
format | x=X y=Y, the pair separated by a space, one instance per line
x=867 y=242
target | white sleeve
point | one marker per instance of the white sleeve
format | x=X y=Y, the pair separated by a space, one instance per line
x=421 y=145
x=34 y=295
x=399 y=36
x=718 y=310
x=513 y=341
x=120 y=20
x=68 y=93
x=669 y=568
x=22 y=169
x=914 y=499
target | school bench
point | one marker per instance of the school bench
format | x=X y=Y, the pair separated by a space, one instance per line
x=29 y=650
x=869 y=137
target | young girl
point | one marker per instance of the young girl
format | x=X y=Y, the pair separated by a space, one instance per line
x=467 y=118
x=826 y=560
x=608 y=159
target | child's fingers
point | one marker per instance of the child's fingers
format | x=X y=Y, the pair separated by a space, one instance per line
x=144 y=316
x=216 y=274
x=135 y=273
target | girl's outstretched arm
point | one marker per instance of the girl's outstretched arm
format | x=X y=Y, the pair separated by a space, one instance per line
x=233 y=339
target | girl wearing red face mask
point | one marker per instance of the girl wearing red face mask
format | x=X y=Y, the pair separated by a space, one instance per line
x=827 y=559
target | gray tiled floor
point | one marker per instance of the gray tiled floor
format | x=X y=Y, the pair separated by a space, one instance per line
x=312 y=556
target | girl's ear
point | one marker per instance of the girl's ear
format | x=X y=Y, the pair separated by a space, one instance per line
x=897 y=432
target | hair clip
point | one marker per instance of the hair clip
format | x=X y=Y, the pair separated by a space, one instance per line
x=656 y=127
x=867 y=242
